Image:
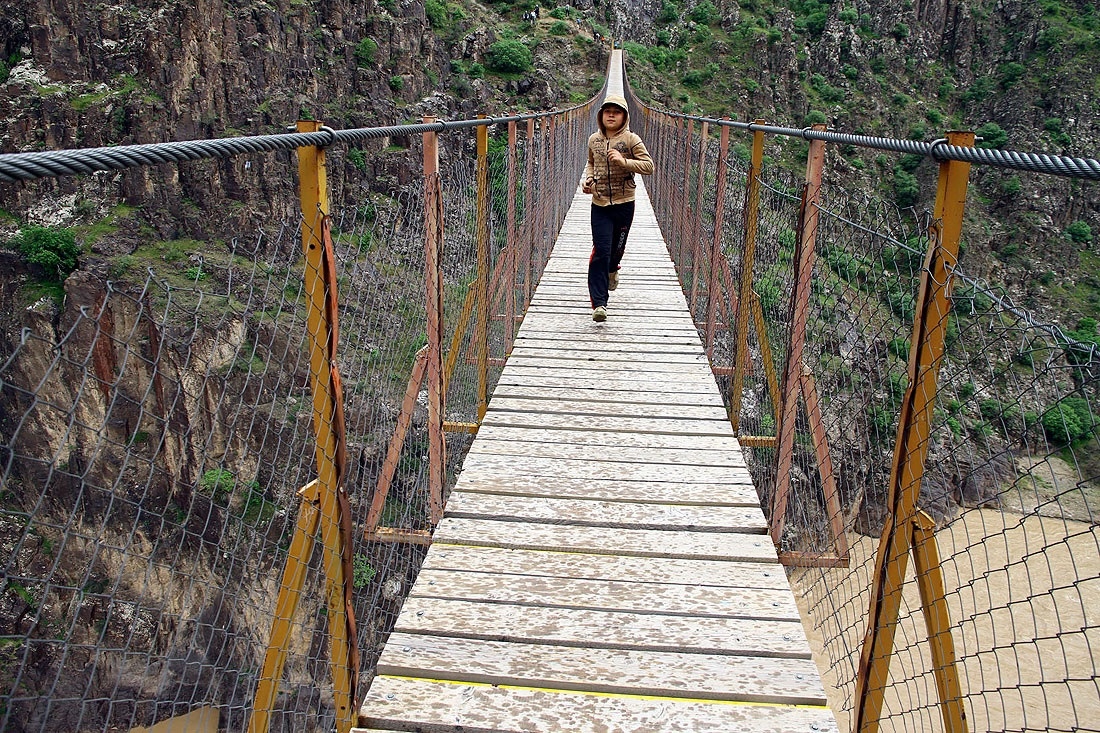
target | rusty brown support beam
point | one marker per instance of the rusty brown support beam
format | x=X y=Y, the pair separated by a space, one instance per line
x=433 y=277
x=396 y=535
x=697 y=224
x=528 y=216
x=713 y=292
x=481 y=325
x=397 y=441
x=912 y=444
x=820 y=441
x=748 y=256
x=684 y=210
x=461 y=427
x=757 y=441
x=805 y=247
x=511 y=246
x=802 y=559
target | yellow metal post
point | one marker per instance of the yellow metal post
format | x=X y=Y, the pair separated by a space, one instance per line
x=331 y=510
x=481 y=327
x=911 y=446
x=290 y=592
x=748 y=256
x=926 y=564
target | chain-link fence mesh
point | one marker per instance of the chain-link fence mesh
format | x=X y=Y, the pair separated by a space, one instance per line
x=158 y=425
x=1012 y=472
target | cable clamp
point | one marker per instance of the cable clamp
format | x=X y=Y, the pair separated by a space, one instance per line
x=937 y=144
x=331 y=135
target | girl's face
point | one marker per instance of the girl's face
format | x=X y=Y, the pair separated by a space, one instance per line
x=613 y=118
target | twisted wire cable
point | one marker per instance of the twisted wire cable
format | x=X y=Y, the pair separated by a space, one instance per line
x=55 y=163
x=1058 y=165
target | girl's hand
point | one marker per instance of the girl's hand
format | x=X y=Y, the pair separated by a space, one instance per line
x=614 y=156
x=588 y=186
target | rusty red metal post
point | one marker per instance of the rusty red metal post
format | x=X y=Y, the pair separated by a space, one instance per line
x=713 y=292
x=800 y=310
x=433 y=273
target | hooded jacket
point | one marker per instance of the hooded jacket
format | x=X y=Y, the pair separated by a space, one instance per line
x=614 y=184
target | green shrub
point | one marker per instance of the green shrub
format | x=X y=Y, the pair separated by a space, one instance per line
x=900 y=31
x=992 y=134
x=663 y=37
x=559 y=28
x=477 y=71
x=436 y=10
x=669 y=13
x=906 y=188
x=53 y=249
x=362 y=572
x=217 y=484
x=1011 y=186
x=815 y=117
x=397 y=83
x=562 y=13
x=364 y=52
x=850 y=72
x=699 y=77
x=704 y=13
x=1068 y=420
x=1079 y=232
x=1011 y=73
x=510 y=56
x=357 y=158
x=849 y=16
x=899 y=347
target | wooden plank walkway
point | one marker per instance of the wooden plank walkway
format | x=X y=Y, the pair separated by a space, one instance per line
x=603 y=563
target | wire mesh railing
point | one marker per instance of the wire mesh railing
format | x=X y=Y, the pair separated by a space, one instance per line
x=985 y=478
x=183 y=519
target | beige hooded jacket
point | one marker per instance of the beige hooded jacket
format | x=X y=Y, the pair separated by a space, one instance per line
x=614 y=184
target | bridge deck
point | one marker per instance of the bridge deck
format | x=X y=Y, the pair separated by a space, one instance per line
x=603 y=563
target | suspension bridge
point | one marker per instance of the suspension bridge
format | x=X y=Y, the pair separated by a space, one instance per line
x=650 y=524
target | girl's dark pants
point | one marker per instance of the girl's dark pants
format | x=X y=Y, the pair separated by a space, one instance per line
x=610 y=226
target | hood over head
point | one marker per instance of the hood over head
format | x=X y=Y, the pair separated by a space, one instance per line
x=613 y=100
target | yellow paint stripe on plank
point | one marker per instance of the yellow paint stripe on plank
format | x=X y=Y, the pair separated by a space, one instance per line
x=552 y=690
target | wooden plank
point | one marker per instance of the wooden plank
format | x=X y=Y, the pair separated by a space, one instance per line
x=600 y=629
x=589 y=390
x=691 y=577
x=530 y=355
x=705 y=676
x=624 y=454
x=503 y=402
x=727 y=443
x=666 y=426
x=639 y=542
x=614 y=378
x=593 y=367
x=593 y=513
x=505 y=466
x=660 y=595
x=540 y=345
x=448 y=707
x=596 y=397
x=611 y=489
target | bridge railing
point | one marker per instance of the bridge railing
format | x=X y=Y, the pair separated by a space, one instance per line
x=894 y=408
x=218 y=457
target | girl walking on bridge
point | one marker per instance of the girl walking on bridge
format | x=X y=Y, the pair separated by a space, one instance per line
x=615 y=154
